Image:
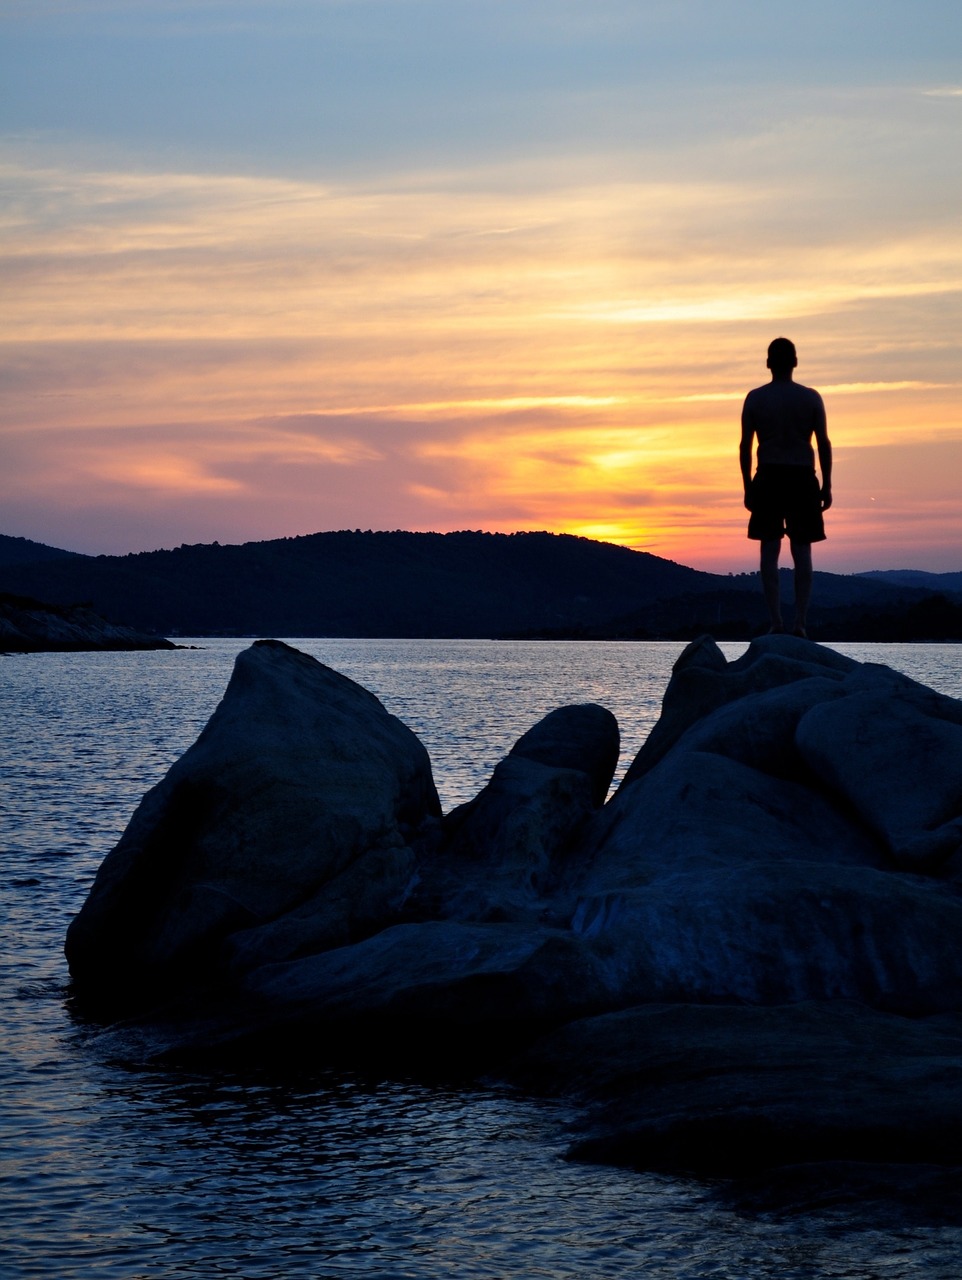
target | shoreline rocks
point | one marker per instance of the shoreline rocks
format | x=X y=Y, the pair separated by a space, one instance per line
x=750 y=955
x=28 y=626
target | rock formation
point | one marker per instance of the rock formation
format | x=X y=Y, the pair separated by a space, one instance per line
x=28 y=626
x=750 y=955
x=297 y=803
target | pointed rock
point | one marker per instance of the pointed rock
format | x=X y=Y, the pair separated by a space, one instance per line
x=583 y=737
x=502 y=852
x=298 y=773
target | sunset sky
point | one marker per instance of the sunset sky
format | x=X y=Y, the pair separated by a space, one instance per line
x=275 y=268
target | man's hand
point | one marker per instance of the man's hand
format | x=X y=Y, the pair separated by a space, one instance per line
x=826 y=497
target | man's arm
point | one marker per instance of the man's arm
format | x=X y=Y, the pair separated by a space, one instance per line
x=824 y=454
x=745 y=448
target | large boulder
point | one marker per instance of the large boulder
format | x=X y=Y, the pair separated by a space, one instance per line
x=779 y=933
x=299 y=774
x=751 y=953
x=501 y=851
x=699 y=811
x=758 y=854
x=898 y=767
x=353 y=904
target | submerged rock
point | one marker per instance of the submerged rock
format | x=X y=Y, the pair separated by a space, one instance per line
x=751 y=953
x=726 y=1090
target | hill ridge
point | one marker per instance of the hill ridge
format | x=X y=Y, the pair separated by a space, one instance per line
x=462 y=584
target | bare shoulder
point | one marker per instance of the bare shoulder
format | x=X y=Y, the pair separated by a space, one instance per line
x=809 y=393
x=757 y=394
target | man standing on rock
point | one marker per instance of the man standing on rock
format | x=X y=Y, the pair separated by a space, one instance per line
x=784 y=495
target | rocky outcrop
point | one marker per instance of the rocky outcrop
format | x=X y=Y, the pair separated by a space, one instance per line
x=755 y=859
x=751 y=953
x=28 y=626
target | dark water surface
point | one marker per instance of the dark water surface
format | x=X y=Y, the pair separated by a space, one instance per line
x=113 y=1172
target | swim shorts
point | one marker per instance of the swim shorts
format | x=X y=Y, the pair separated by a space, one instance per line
x=785 y=499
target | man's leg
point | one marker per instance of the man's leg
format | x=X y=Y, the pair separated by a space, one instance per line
x=802 y=558
x=769 y=571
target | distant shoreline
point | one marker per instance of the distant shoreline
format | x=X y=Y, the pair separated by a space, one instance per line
x=31 y=626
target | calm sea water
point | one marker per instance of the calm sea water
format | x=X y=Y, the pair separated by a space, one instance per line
x=113 y=1172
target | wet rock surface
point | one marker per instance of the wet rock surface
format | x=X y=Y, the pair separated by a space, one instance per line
x=749 y=957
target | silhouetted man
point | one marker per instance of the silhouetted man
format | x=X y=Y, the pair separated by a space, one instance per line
x=784 y=495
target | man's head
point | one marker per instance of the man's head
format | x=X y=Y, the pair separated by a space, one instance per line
x=782 y=357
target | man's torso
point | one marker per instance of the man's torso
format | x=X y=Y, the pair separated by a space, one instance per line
x=784 y=416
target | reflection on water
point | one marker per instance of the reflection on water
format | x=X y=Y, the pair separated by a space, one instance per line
x=109 y=1172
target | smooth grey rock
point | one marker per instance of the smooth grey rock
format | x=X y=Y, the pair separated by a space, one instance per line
x=702 y=681
x=298 y=773
x=503 y=851
x=698 y=810
x=429 y=990
x=780 y=933
x=360 y=900
x=744 y=872
x=900 y=769
x=759 y=729
x=873 y=677
x=819 y=659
